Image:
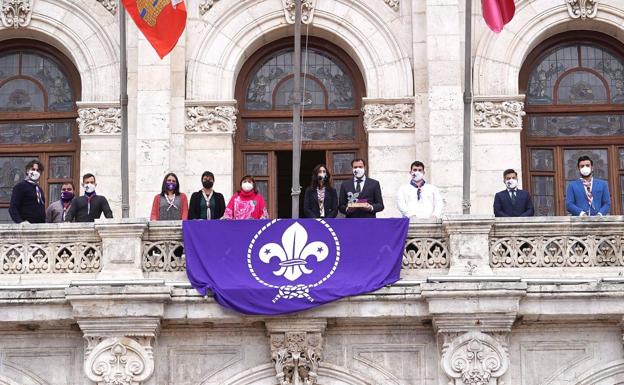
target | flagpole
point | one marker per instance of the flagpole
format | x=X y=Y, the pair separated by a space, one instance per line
x=123 y=101
x=296 y=162
x=467 y=109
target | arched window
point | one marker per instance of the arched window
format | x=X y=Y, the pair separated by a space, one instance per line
x=332 y=128
x=574 y=90
x=38 y=92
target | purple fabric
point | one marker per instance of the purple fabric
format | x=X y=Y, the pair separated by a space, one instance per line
x=288 y=265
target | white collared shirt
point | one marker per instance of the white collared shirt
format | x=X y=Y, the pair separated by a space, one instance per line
x=361 y=183
x=430 y=203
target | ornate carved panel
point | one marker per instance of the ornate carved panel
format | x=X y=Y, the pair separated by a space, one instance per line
x=16 y=13
x=110 y=5
x=205 y=5
x=391 y=116
x=119 y=361
x=425 y=253
x=394 y=4
x=498 y=114
x=39 y=258
x=210 y=119
x=307 y=11
x=163 y=256
x=296 y=356
x=582 y=9
x=102 y=119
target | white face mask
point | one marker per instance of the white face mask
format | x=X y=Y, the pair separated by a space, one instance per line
x=322 y=175
x=511 y=183
x=247 y=186
x=89 y=188
x=358 y=172
x=418 y=175
x=586 y=170
x=34 y=175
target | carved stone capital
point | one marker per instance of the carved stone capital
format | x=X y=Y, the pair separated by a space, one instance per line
x=205 y=5
x=119 y=361
x=394 y=4
x=99 y=118
x=496 y=113
x=16 y=13
x=383 y=115
x=296 y=350
x=582 y=9
x=208 y=117
x=307 y=11
x=475 y=358
x=110 y=5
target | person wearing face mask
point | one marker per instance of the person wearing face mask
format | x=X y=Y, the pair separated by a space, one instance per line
x=246 y=203
x=366 y=191
x=90 y=206
x=512 y=202
x=320 y=199
x=206 y=203
x=419 y=199
x=170 y=204
x=27 y=199
x=587 y=196
x=57 y=211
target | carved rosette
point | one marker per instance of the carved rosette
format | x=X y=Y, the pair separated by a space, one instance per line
x=296 y=356
x=211 y=119
x=118 y=361
x=474 y=358
x=394 y=4
x=388 y=116
x=205 y=5
x=99 y=120
x=110 y=5
x=498 y=114
x=582 y=9
x=307 y=11
x=16 y=13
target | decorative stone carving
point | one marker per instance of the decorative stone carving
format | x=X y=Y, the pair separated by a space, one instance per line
x=388 y=116
x=474 y=358
x=582 y=9
x=39 y=258
x=16 y=13
x=163 y=256
x=307 y=11
x=205 y=5
x=394 y=4
x=425 y=253
x=110 y=5
x=296 y=356
x=118 y=361
x=214 y=119
x=99 y=120
x=490 y=114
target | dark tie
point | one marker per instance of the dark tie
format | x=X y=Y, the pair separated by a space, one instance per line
x=513 y=197
x=358 y=185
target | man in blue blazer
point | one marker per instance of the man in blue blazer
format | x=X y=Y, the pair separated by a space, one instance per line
x=512 y=202
x=587 y=195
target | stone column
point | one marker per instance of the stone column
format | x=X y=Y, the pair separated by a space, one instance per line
x=296 y=346
x=469 y=245
x=121 y=248
x=390 y=126
x=497 y=124
x=99 y=125
x=209 y=130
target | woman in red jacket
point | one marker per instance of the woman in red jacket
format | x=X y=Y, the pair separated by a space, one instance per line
x=170 y=204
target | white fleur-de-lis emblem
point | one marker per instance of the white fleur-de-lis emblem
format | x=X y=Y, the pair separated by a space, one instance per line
x=293 y=252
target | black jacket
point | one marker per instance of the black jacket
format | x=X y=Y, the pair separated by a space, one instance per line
x=79 y=210
x=371 y=192
x=504 y=208
x=24 y=205
x=194 y=205
x=311 y=207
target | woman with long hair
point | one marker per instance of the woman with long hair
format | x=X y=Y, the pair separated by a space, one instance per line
x=321 y=199
x=170 y=204
x=247 y=202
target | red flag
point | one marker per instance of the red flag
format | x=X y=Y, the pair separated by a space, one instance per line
x=161 y=21
x=497 y=13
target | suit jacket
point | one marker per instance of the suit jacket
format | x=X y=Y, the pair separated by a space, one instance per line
x=194 y=205
x=311 y=207
x=371 y=192
x=576 y=200
x=504 y=208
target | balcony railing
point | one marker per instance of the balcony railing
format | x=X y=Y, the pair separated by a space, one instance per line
x=456 y=246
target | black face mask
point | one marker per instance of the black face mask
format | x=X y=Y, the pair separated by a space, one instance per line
x=207 y=183
x=321 y=177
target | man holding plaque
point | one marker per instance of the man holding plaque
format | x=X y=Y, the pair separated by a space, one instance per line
x=360 y=198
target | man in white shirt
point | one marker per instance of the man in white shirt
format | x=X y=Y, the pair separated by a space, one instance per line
x=419 y=199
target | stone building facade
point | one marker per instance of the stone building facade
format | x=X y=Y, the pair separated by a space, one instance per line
x=481 y=301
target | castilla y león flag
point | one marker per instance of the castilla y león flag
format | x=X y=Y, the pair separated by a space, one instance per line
x=161 y=21
x=497 y=13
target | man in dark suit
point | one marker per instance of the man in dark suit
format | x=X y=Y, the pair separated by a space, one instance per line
x=512 y=202
x=368 y=193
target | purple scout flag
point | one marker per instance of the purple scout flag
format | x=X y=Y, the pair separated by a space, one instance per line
x=288 y=265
